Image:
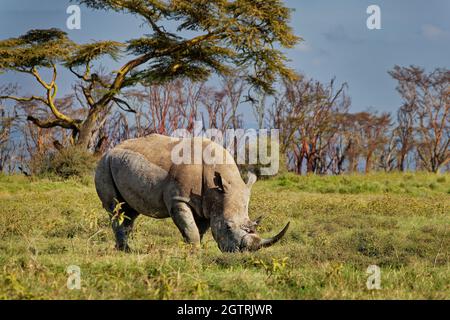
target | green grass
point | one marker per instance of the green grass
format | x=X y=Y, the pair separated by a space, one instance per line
x=417 y=184
x=339 y=226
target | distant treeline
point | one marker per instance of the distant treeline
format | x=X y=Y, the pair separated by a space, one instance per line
x=318 y=134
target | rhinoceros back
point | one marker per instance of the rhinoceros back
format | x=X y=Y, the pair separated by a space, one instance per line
x=136 y=172
x=141 y=173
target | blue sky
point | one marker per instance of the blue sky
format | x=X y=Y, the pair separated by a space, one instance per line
x=337 y=41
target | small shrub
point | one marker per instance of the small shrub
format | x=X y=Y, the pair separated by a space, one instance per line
x=441 y=179
x=365 y=241
x=66 y=163
x=433 y=186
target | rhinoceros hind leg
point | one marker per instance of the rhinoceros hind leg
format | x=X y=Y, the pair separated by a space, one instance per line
x=110 y=196
x=123 y=230
x=183 y=218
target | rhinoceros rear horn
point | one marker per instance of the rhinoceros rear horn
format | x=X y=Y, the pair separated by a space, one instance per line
x=270 y=241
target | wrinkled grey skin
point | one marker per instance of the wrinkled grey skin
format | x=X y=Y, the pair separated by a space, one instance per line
x=140 y=174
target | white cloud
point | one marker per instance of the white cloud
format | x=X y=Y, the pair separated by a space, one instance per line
x=303 y=47
x=432 y=32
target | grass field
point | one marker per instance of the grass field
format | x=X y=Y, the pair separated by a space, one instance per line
x=339 y=226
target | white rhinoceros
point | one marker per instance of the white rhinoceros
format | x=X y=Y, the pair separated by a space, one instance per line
x=140 y=174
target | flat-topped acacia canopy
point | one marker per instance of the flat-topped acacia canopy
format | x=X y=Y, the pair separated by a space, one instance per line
x=226 y=35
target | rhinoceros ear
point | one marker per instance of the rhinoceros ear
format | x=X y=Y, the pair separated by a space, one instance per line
x=251 y=179
x=218 y=182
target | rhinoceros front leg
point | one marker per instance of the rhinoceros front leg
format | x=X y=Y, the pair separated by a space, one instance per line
x=183 y=218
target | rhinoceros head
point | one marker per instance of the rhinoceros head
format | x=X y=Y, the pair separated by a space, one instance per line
x=227 y=202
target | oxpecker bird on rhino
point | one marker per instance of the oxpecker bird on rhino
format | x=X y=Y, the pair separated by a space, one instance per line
x=141 y=175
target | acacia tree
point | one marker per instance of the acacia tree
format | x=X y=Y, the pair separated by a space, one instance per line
x=234 y=86
x=427 y=95
x=306 y=115
x=373 y=131
x=404 y=133
x=218 y=110
x=240 y=33
x=166 y=107
x=6 y=122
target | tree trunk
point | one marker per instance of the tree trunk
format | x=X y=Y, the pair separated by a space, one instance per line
x=310 y=164
x=368 y=162
x=401 y=163
x=87 y=129
x=300 y=165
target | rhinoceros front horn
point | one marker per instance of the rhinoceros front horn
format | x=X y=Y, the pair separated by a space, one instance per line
x=270 y=241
